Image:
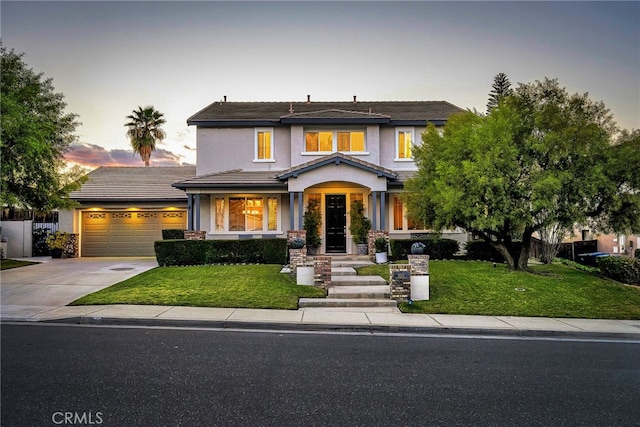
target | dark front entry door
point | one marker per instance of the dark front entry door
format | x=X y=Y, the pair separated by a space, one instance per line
x=336 y=222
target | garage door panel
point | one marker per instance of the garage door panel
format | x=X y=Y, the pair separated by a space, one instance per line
x=126 y=233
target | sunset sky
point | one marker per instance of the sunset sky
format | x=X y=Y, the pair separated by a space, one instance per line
x=107 y=58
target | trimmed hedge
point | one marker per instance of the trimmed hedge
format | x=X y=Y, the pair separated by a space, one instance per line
x=172 y=234
x=622 y=269
x=479 y=250
x=435 y=248
x=203 y=252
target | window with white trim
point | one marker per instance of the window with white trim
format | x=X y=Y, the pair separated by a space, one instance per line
x=400 y=220
x=245 y=213
x=404 y=143
x=263 y=151
x=346 y=141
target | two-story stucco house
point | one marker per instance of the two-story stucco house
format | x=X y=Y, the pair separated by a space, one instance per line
x=260 y=163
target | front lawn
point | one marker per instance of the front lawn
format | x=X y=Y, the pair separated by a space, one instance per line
x=240 y=286
x=6 y=264
x=474 y=287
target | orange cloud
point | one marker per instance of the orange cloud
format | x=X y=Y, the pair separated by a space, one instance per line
x=93 y=156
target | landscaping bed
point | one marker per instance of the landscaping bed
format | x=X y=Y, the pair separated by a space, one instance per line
x=6 y=264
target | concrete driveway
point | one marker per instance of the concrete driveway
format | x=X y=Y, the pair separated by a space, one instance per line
x=53 y=283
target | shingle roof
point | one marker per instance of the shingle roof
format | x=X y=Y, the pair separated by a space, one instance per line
x=256 y=113
x=235 y=178
x=119 y=184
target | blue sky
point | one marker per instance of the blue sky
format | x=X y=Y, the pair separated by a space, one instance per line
x=109 y=57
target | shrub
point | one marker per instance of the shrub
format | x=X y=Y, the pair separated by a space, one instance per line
x=622 y=269
x=479 y=250
x=435 y=248
x=172 y=234
x=381 y=245
x=203 y=252
x=636 y=253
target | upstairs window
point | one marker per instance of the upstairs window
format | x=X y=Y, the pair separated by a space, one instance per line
x=331 y=141
x=404 y=141
x=264 y=145
x=350 y=141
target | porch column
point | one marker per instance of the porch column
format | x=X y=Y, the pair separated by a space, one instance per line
x=300 y=209
x=292 y=225
x=383 y=209
x=197 y=212
x=374 y=220
x=189 y=212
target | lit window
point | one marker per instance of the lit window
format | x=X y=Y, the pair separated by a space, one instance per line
x=245 y=214
x=401 y=220
x=319 y=141
x=404 y=141
x=264 y=144
x=219 y=214
x=346 y=141
x=350 y=141
x=272 y=209
x=398 y=213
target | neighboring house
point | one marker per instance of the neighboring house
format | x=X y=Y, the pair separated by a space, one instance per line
x=122 y=210
x=260 y=163
x=615 y=244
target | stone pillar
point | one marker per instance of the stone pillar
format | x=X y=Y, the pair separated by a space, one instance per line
x=419 y=277
x=296 y=256
x=400 y=281
x=419 y=265
x=371 y=241
x=195 y=235
x=322 y=271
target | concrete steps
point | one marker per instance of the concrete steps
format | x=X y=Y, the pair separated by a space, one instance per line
x=346 y=302
x=349 y=290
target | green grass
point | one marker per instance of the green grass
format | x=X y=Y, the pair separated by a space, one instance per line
x=473 y=287
x=240 y=286
x=6 y=264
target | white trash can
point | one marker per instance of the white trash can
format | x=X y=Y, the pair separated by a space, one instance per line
x=419 y=288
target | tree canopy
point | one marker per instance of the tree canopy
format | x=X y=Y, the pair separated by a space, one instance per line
x=35 y=132
x=501 y=87
x=145 y=130
x=541 y=157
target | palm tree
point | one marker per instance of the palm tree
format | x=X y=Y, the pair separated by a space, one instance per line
x=145 y=130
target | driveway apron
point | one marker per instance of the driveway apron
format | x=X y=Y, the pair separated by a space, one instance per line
x=28 y=291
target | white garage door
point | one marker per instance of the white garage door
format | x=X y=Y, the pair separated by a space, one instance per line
x=126 y=233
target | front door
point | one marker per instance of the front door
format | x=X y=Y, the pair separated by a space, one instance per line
x=336 y=223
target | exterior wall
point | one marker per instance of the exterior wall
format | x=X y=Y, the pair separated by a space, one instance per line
x=372 y=144
x=225 y=149
x=19 y=238
x=67 y=219
x=615 y=244
x=388 y=148
x=329 y=173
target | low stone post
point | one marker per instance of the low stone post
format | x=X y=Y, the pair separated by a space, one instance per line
x=371 y=241
x=195 y=235
x=400 y=278
x=322 y=271
x=419 y=277
x=296 y=256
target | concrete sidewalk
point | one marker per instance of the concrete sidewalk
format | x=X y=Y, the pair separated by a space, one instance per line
x=382 y=319
x=40 y=293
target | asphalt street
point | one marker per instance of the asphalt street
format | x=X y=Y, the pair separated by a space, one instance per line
x=140 y=376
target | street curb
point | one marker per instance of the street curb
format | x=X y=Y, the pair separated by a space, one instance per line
x=317 y=327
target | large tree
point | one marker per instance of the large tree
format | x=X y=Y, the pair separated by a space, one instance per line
x=542 y=157
x=501 y=87
x=35 y=132
x=145 y=130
